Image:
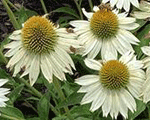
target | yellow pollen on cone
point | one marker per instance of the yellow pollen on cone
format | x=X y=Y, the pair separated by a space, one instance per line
x=39 y=35
x=114 y=74
x=104 y=23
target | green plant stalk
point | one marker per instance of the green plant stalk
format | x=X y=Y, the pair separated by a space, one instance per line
x=3 y=57
x=37 y=93
x=79 y=9
x=57 y=86
x=31 y=106
x=148 y=106
x=9 y=117
x=90 y=4
x=11 y=15
x=52 y=94
x=12 y=5
x=43 y=6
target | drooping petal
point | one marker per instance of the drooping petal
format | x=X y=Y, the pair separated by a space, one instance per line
x=34 y=69
x=3 y=81
x=87 y=79
x=99 y=99
x=126 y=5
x=16 y=35
x=130 y=26
x=108 y=51
x=91 y=95
x=135 y=3
x=79 y=23
x=94 y=52
x=106 y=107
x=93 y=64
x=146 y=50
x=113 y=2
x=128 y=100
x=16 y=58
x=126 y=20
x=141 y=15
x=120 y=4
x=46 y=68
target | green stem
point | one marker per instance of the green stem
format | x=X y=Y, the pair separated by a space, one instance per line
x=37 y=93
x=12 y=5
x=148 y=106
x=31 y=106
x=10 y=118
x=91 y=4
x=61 y=95
x=11 y=15
x=3 y=59
x=43 y=6
x=79 y=9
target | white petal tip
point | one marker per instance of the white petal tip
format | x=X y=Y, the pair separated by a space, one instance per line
x=95 y=8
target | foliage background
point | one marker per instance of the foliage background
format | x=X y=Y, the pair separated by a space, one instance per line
x=32 y=103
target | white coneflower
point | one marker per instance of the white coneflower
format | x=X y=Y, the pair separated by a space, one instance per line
x=146 y=86
x=122 y=3
x=145 y=10
x=39 y=45
x=105 y=30
x=115 y=86
x=3 y=92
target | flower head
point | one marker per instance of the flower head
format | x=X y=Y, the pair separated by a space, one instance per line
x=39 y=35
x=40 y=45
x=104 y=23
x=145 y=10
x=115 y=86
x=122 y=3
x=3 y=92
x=106 y=30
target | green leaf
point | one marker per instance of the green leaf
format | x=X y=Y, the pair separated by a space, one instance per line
x=85 y=114
x=63 y=21
x=4 y=42
x=69 y=88
x=4 y=74
x=83 y=118
x=143 y=41
x=11 y=113
x=2 y=57
x=140 y=108
x=80 y=65
x=15 y=93
x=74 y=98
x=60 y=118
x=67 y=10
x=35 y=118
x=43 y=107
x=24 y=14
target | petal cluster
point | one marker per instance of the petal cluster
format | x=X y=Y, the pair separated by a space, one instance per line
x=3 y=92
x=122 y=3
x=146 y=86
x=119 y=42
x=113 y=101
x=145 y=10
x=55 y=61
